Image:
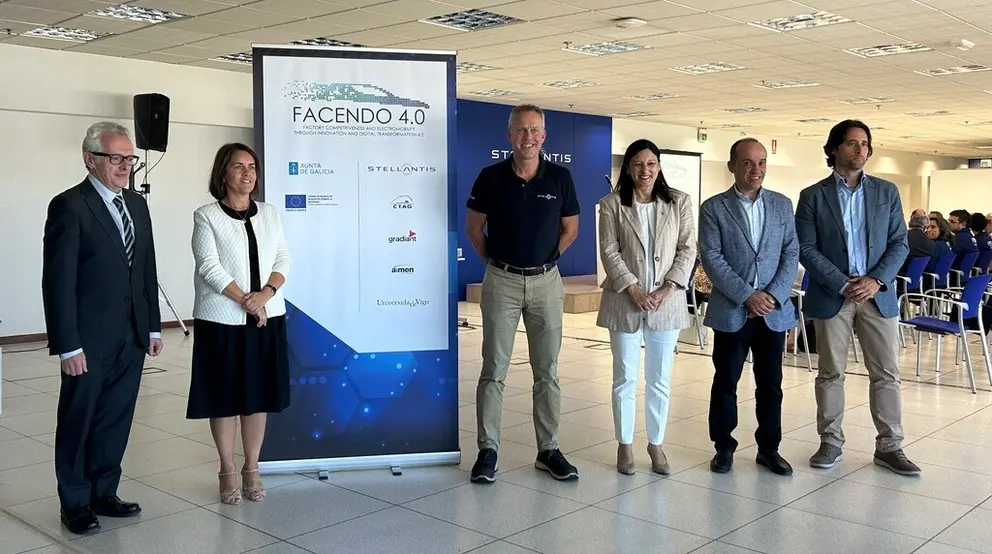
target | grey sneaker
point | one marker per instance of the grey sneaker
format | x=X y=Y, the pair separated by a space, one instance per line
x=826 y=456
x=897 y=462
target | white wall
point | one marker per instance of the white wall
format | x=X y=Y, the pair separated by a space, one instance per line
x=963 y=189
x=796 y=164
x=44 y=113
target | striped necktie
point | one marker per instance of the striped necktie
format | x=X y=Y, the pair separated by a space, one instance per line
x=128 y=228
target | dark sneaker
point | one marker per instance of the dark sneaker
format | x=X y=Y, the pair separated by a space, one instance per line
x=774 y=462
x=897 y=462
x=723 y=462
x=826 y=456
x=554 y=462
x=484 y=470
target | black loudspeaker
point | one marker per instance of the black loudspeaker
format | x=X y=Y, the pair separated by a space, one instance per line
x=151 y=121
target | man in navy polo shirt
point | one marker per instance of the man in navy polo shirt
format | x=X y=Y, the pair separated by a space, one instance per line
x=522 y=214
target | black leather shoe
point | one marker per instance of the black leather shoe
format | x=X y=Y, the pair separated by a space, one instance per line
x=722 y=462
x=775 y=463
x=80 y=521
x=112 y=506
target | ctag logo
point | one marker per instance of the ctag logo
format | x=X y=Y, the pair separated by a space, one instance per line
x=403 y=203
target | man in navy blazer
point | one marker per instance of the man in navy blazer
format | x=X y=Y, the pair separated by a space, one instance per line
x=748 y=248
x=852 y=242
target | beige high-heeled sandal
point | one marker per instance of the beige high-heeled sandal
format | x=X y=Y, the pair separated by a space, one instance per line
x=231 y=497
x=255 y=494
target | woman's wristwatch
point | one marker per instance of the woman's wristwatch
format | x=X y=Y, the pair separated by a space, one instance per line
x=268 y=286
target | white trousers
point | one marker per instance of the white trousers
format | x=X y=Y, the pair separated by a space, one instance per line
x=659 y=353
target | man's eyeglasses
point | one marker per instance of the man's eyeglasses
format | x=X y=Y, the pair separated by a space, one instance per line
x=117 y=159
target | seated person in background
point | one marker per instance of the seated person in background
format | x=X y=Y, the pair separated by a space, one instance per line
x=920 y=212
x=979 y=226
x=964 y=239
x=702 y=283
x=920 y=245
x=936 y=215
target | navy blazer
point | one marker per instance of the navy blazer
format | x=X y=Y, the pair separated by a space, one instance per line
x=732 y=263
x=823 y=244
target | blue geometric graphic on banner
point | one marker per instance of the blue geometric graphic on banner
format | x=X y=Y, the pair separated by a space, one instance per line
x=344 y=403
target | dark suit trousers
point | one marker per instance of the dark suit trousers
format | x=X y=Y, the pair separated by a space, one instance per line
x=729 y=354
x=94 y=422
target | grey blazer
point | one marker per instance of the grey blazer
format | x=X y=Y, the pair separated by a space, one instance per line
x=823 y=244
x=621 y=246
x=734 y=265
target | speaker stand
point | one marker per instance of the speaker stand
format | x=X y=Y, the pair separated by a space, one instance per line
x=163 y=294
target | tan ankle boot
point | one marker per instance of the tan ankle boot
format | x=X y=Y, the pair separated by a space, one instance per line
x=659 y=462
x=625 y=459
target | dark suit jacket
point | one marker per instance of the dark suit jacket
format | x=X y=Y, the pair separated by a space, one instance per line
x=920 y=245
x=92 y=298
x=823 y=246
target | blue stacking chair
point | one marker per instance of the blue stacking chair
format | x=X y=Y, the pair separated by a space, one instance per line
x=801 y=321
x=983 y=262
x=911 y=280
x=938 y=279
x=964 y=268
x=968 y=300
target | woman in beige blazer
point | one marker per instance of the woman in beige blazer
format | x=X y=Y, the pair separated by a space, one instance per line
x=648 y=245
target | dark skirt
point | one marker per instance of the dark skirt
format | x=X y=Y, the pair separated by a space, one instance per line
x=238 y=369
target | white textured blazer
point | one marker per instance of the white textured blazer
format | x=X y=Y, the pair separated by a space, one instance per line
x=220 y=251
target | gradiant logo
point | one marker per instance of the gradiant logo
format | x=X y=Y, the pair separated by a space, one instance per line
x=403 y=169
x=403 y=203
x=409 y=237
x=403 y=269
x=360 y=93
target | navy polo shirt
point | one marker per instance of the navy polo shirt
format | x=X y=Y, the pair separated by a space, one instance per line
x=524 y=218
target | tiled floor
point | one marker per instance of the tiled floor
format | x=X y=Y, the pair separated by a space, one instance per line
x=171 y=468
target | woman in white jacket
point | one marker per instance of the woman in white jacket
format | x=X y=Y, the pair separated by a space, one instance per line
x=240 y=356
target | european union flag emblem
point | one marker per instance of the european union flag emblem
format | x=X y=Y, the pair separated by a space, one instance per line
x=296 y=201
x=294 y=168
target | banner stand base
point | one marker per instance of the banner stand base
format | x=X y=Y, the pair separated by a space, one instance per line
x=390 y=462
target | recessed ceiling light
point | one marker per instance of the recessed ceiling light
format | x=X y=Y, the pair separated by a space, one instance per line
x=325 y=41
x=137 y=13
x=648 y=97
x=888 y=49
x=237 y=57
x=786 y=84
x=633 y=114
x=471 y=20
x=570 y=83
x=705 y=68
x=63 y=33
x=984 y=147
x=976 y=123
x=798 y=22
x=745 y=109
x=730 y=126
x=930 y=113
x=867 y=100
x=492 y=93
x=970 y=68
x=468 y=67
x=604 y=48
x=814 y=120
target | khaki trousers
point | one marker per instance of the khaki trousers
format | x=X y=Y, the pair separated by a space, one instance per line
x=541 y=300
x=879 y=338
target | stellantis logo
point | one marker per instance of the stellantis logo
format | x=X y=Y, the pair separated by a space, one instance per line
x=405 y=169
x=409 y=237
x=403 y=269
x=361 y=93
x=548 y=156
x=403 y=203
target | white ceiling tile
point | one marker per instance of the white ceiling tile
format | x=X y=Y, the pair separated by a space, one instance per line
x=412 y=9
x=761 y=12
x=101 y=48
x=103 y=24
x=14 y=27
x=186 y=7
x=224 y=45
x=169 y=35
x=362 y=19
x=226 y=66
x=40 y=42
x=162 y=57
x=268 y=36
x=538 y=10
x=74 y=6
x=312 y=28
x=298 y=9
x=716 y=5
x=689 y=23
x=371 y=38
x=418 y=31
x=249 y=17
x=32 y=15
x=651 y=10
x=206 y=25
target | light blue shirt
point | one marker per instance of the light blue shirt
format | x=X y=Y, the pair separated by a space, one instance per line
x=852 y=206
x=754 y=214
x=108 y=198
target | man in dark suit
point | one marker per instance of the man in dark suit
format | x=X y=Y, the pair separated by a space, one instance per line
x=920 y=245
x=100 y=291
x=748 y=247
x=852 y=242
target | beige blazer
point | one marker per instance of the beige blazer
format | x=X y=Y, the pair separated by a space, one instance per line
x=621 y=247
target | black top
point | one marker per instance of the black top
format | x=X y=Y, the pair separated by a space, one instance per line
x=524 y=218
x=984 y=241
x=246 y=215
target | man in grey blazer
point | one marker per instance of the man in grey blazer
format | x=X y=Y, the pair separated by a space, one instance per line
x=852 y=242
x=748 y=246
